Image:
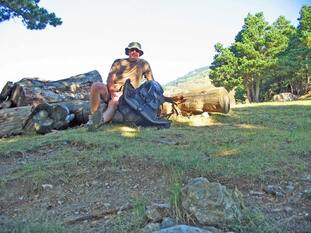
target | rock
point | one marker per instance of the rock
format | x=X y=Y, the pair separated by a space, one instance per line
x=256 y=193
x=286 y=96
x=213 y=229
x=45 y=186
x=290 y=187
x=306 y=177
x=211 y=203
x=307 y=194
x=274 y=190
x=151 y=227
x=156 y=212
x=182 y=229
x=167 y=222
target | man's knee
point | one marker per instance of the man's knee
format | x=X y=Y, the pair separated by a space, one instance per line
x=98 y=87
x=101 y=90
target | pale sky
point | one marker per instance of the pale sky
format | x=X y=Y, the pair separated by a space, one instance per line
x=177 y=36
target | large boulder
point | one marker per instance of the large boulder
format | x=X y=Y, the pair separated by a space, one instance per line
x=182 y=229
x=283 y=97
x=211 y=204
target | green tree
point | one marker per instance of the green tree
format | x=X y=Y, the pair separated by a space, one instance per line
x=294 y=64
x=224 y=72
x=274 y=81
x=32 y=16
x=250 y=59
x=304 y=26
x=257 y=46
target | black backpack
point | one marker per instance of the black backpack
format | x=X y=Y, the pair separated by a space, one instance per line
x=141 y=106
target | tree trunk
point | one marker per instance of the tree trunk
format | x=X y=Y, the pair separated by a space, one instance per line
x=212 y=100
x=12 y=120
x=257 y=89
x=44 y=117
x=248 y=87
x=33 y=91
x=6 y=91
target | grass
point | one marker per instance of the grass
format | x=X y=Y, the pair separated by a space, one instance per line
x=38 y=223
x=258 y=142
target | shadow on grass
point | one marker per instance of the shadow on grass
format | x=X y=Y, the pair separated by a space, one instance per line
x=284 y=117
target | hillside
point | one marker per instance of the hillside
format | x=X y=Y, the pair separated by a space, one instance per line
x=194 y=80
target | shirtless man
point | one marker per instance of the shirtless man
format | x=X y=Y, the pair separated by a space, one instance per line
x=133 y=68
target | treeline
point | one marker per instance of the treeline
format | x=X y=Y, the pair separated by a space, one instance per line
x=266 y=59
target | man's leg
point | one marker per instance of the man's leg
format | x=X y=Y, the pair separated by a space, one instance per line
x=98 y=91
x=112 y=107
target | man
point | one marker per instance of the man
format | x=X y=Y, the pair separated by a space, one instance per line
x=133 y=68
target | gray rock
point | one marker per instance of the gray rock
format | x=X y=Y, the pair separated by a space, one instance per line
x=156 y=212
x=167 y=222
x=307 y=194
x=151 y=227
x=182 y=229
x=274 y=190
x=306 y=177
x=211 y=203
x=286 y=96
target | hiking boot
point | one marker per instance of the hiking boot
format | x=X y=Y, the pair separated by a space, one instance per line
x=95 y=120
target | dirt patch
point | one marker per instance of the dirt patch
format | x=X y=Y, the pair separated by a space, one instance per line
x=102 y=187
x=92 y=188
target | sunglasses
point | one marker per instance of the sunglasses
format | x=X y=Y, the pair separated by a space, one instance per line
x=136 y=50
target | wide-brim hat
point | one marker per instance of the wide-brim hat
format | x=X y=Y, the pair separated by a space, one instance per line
x=134 y=45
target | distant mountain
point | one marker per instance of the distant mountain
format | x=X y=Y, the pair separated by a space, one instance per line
x=197 y=79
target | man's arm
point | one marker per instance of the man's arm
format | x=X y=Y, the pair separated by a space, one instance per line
x=110 y=83
x=112 y=77
x=147 y=71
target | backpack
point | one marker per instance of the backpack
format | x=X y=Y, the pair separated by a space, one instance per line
x=141 y=106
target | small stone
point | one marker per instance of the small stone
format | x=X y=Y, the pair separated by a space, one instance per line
x=306 y=177
x=270 y=189
x=288 y=209
x=256 y=193
x=274 y=190
x=167 y=222
x=290 y=188
x=307 y=194
x=151 y=227
x=45 y=186
x=307 y=216
x=156 y=212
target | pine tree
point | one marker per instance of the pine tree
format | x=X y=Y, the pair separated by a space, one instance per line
x=32 y=16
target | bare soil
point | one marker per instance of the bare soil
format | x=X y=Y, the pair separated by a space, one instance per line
x=107 y=185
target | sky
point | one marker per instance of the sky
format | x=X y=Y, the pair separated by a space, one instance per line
x=177 y=36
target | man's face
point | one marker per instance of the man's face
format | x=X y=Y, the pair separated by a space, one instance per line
x=134 y=54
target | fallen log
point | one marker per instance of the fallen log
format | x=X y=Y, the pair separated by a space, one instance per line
x=47 y=117
x=214 y=99
x=12 y=120
x=32 y=91
x=43 y=118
